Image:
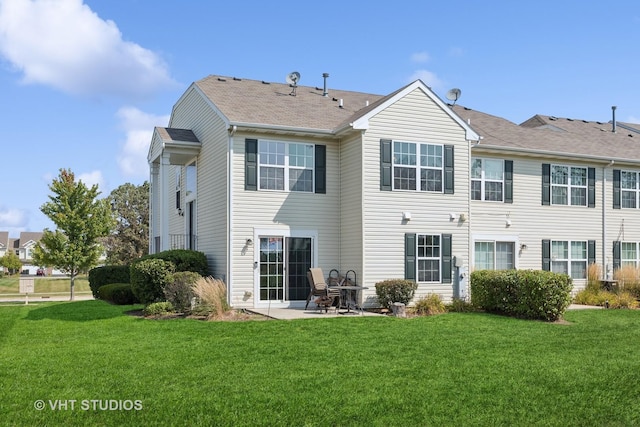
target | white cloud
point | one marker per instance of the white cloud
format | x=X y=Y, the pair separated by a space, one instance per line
x=633 y=119
x=428 y=78
x=420 y=57
x=92 y=178
x=64 y=44
x=12 y=218
x=138 y=127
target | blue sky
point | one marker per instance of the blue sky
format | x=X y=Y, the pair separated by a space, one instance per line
x=83 y=84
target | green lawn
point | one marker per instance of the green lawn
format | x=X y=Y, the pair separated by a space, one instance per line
x=453 y=369
x=44 y=285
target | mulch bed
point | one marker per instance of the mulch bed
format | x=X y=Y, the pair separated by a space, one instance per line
x=230 y=316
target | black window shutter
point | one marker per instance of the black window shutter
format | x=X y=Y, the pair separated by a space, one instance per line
x=616 y=189
x=508 y=181
x=321 y=169
x=385 y=164
x=591 y=191
x=616 y=255
x=546 y=255
x=546 y=184
x=410 y=256
x=591 y=252
x=448 y=169
x=251 y=164
x=178 y=205
x=446 y=258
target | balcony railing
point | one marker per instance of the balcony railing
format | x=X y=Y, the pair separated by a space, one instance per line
x=177 y=241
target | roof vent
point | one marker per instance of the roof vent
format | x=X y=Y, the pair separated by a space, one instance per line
x=613 y=121
x=325 y=76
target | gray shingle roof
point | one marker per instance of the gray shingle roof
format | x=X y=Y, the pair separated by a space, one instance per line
x=255 y=102
x=174 y=134
x=550 y=134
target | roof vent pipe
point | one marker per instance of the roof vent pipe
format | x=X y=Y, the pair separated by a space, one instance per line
x=613 y=122
x=324 y=90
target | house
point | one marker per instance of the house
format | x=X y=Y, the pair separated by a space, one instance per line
x=22 y=247
x=269 y=179
x=555 y=194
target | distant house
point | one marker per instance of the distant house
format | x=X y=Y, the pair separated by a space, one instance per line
x=22 y=247
x=268 y=180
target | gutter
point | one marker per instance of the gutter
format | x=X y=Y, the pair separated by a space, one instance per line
x=556 y=154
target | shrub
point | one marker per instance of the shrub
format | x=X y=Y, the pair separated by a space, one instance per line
x=429 y=305
x=600 y=297
x=158 y=308
x=458 y=305
x=179 y=291
x=628 y=278
x=528 y=294
x=395 y=290
x=211 y=296
x=106 y=275
x=148 y=279
x=183 y=260
x=117 y=293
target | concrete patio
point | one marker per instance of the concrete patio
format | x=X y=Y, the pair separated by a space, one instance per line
x=309 y=313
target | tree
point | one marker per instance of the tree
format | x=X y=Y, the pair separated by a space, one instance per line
x=81 y=220
x=130 y=238
x=11 y=262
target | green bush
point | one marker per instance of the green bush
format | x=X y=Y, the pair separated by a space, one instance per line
x=148 y=279
x=106 y=275
x=117 y=293
x=429 y=305
x=157 y=308
x=395 y=290
x=179 y=291
x=458 y=305
x=529 y=294
x=183 y=260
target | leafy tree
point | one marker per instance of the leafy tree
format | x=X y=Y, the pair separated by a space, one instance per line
x=11 y=262
x=130 y=238
x=80 y=219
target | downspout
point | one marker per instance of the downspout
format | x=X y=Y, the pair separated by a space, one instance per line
x=605 y=268
x=229 y=278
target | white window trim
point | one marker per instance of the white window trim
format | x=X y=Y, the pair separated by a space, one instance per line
x=570 y=259
x=286 y=166
x=419 y=258
x=510 y=238
x=636 y=190
x=627 y=260
x=417 y=166
x=569 y=186
x=484 y=180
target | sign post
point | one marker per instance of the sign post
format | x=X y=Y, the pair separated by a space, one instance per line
x=26 y=288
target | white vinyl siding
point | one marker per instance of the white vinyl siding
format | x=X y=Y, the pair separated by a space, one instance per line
x=414 y=118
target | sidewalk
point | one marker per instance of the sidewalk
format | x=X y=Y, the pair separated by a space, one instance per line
x=35 y=298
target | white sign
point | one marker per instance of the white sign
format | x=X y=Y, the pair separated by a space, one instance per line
x=26 y=286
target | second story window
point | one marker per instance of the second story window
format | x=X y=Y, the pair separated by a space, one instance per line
x=413 y=162
x=487 y=179
x=629 y=189
x=568 y=185
x=285 y=166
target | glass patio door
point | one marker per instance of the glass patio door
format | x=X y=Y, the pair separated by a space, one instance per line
x=284 y=262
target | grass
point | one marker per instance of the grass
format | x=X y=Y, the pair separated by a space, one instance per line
x=451 y=369
x=44 y=285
